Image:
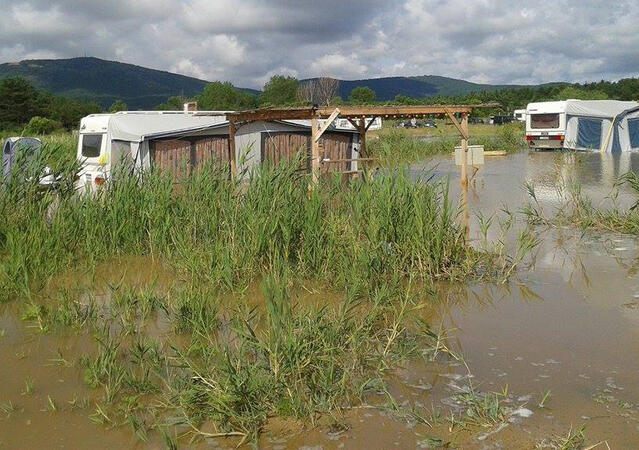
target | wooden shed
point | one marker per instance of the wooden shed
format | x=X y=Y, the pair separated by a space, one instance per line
x=256 y=143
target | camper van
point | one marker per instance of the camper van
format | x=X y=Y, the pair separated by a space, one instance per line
x=595 y=125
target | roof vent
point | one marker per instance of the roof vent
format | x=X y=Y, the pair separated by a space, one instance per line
x=190 y=107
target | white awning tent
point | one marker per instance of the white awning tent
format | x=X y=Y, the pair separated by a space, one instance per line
x=602 y=125
x=140 y=127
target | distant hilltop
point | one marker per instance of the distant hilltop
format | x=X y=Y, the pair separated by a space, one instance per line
x=104 y=82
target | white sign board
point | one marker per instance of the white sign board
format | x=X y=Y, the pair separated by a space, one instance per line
x=475 y=155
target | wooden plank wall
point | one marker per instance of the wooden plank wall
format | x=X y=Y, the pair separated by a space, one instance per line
x=171 y=155
x=284 y=146
x=281 y=146
x=181 y=156
x=336 y=146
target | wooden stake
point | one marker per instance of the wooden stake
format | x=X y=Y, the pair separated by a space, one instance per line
x=361 y=129
x=464 y=149
x=464 y=176
x=232 y=156
x=315 y=156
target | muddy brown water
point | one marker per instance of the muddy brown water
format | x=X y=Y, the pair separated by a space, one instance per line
x=567 y=323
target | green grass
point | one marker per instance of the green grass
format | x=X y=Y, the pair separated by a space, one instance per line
x=579 y=211
x=227 y=233
x=395 y=146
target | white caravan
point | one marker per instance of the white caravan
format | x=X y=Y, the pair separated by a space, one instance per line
x=595 y=125
x=520 y=115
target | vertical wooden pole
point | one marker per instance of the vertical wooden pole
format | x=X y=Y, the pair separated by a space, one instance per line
x=361 y=129
x=315 y=156
x=232 y=156
x=362 y=137
x=464 y=150
x=464 y=175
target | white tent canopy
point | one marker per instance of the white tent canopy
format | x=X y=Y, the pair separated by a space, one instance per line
x=139 y=127
x=598 y=108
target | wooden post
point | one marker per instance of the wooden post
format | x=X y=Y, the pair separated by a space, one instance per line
x=232 y=156
x=464 y=149
x=315 y=156
x=464 y=176
x=361 y=128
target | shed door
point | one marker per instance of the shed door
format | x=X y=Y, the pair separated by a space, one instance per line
x=284 y=146
x=181 y=156
x=337 y=146
x=171 y=156
x=215 y=149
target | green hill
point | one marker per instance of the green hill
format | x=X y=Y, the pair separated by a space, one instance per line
x=95 y=79
x=103 y=81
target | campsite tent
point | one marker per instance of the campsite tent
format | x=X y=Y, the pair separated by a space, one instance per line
x=606 y=125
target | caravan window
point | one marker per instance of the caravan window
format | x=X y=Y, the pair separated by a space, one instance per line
x=589 y=133
x=633 y=132
x=544 y=121
x=91 y=144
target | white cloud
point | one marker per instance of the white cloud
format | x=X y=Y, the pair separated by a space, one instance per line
x=246 y=41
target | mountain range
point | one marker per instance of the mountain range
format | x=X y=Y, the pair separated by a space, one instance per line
x=102 y=81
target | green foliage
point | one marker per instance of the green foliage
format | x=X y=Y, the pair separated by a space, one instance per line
x=362 y=96
x=40 y=125
x=19 y=102
x=571 y=92
x=117 y=106
x=175 y=103
x=280 y=91
x=68 y=111
x=228 y=233
x=218 y=96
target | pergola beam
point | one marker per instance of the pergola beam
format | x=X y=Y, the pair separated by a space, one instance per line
x=462 y=132
x=328 y=123
x=352 y=112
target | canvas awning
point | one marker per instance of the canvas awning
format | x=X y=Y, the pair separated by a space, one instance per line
x=598 y=108
x=139 y=127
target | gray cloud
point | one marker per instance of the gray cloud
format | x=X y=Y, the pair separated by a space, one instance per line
x=247 y=41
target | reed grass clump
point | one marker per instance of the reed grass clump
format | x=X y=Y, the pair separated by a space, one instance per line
x=228 y=233
x=578 y=210
x=397 y=147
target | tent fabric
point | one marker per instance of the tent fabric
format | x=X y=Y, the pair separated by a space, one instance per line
x=633 y=132
x=598 y=108
x=589 y=122
x=589 y=133
x=13 y=145
x=138 y=127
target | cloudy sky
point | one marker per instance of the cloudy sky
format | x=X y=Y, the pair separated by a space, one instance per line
x=247 y=41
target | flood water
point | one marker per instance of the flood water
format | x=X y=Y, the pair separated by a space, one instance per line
x=567 y=322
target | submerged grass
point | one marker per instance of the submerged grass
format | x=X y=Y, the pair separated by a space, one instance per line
x=579 y=211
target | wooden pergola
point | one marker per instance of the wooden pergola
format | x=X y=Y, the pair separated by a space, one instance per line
x=358 y=116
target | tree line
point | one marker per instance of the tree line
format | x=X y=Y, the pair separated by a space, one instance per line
x=23 y=105
x=278 y=91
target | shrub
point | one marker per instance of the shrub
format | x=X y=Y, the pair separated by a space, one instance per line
x=41 y=125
